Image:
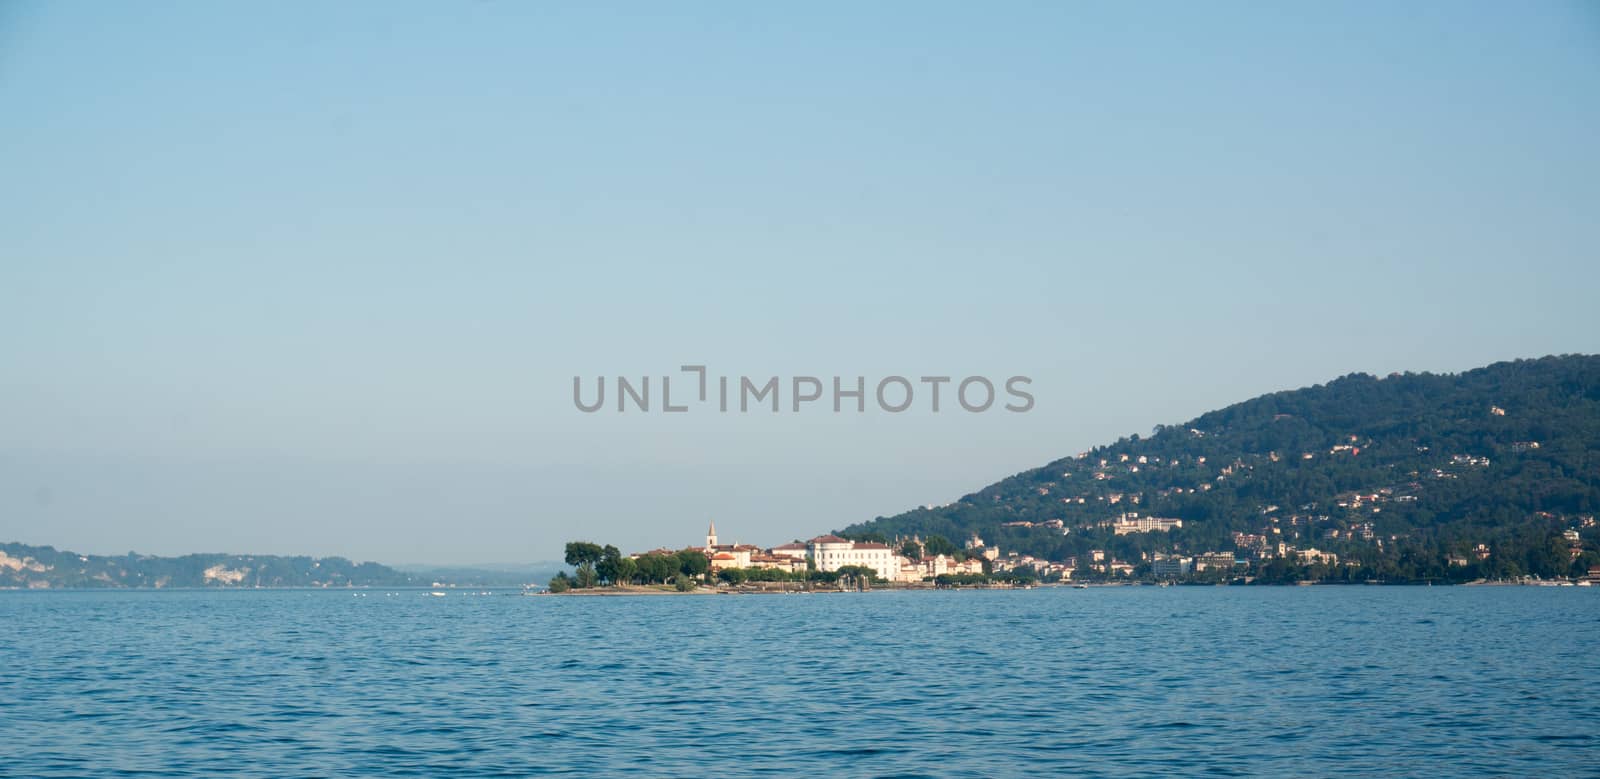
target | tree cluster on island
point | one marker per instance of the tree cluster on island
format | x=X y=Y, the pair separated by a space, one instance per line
x=596 y=566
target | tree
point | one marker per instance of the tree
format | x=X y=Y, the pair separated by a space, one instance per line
x=560 y=583
x=580 y=552
x=657 y=568
x=693 y=562
x=1022 y=574
x=945 y=580
x=683 y=583
x=626 y=570
x=939 y=545
x=609 y=565
x=585 y=577
x=858 y=576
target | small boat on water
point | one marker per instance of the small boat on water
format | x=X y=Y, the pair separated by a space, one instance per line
x=1080 y=586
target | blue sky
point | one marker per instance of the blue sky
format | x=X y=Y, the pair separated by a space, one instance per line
x=301 y=278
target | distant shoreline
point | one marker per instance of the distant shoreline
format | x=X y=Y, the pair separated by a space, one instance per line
x=663 y=589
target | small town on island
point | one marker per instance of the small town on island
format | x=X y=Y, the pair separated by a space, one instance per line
x=834 y=562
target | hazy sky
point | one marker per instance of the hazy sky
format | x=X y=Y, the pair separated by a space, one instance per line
x=315 y=278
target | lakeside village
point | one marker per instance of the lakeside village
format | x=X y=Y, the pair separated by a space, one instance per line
x=831 y=562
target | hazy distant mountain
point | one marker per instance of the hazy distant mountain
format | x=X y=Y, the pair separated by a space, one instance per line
x=1405 y=475
x=37 y=567
x=484 y=574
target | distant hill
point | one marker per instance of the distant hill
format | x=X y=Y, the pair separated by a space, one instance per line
x=39 y=567
x=1405 y=475
x=484 y=575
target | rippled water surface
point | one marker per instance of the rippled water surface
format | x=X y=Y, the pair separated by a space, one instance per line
x=1145 y=681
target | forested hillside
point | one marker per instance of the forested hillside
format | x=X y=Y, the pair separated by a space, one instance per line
x=1404 y=476
x=37 y=567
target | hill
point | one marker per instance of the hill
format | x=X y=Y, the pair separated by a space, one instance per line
x=1402 y=477
x=487 y=575
x=44 y=567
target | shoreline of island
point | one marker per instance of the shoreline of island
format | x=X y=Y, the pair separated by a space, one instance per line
x=659 y=590
x=830 y=563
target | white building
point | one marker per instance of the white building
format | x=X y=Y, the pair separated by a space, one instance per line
x=1313 y=555
x=1133 y=523
x=830 y=553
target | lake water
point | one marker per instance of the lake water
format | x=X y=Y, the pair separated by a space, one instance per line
x=1299 y=681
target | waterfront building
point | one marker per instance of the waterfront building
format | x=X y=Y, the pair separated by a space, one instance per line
x=1170 y=567
x=830 y=553
x=1209 y=561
